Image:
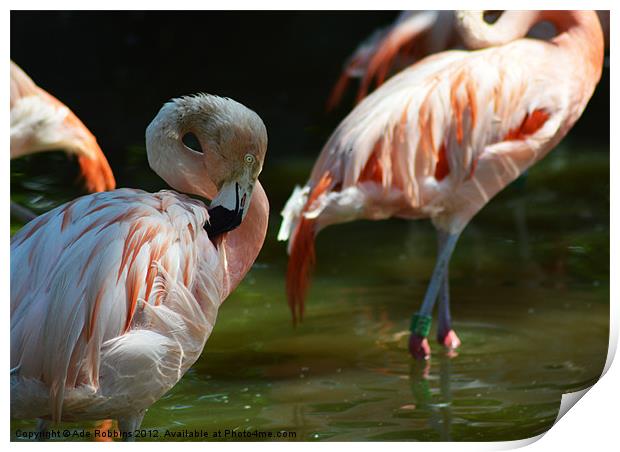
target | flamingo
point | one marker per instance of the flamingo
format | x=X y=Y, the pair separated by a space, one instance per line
x=114 y=294
x=441 y=138
x=413 y=36
x=40 y=122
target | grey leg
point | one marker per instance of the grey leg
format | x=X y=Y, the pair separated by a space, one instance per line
x=441 y=267
x=129 y=424
x=421 y=322
x=443 y=307
x=42 y=426
x=445 y=334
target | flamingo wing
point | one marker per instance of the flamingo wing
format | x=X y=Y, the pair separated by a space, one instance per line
x=88 y=273
x=431 y=128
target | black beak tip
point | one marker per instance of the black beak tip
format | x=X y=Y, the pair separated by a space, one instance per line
x=222 y=220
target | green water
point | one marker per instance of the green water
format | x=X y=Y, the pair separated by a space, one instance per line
x=530 y=297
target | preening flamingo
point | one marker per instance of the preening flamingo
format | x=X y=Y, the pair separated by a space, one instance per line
x=40 y=122
x=441 y=138
x=113 y=295
x=413 y=36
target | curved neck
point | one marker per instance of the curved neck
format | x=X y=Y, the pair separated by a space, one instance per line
x=478 y=34
x=578 y=32
x=511 y=25
x=242 y=245
x=181 y=167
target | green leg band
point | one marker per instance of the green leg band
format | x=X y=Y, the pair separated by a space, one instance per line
x=421 y=324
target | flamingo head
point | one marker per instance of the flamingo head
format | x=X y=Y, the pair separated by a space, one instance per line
x=233 y=143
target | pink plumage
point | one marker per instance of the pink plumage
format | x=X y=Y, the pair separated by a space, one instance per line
x=40 y=122
x=114 y=294
x=413 y=36
x=441 y=138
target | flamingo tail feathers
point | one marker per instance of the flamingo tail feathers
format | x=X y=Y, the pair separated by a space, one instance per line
x=302 y=254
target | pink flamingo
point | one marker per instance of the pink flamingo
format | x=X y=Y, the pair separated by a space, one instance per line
x=113 y=295
x=413 y=36
x=40 y=122
x=441 y=138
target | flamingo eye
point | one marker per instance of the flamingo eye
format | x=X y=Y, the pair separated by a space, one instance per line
x=191 y=141
x=249 y=159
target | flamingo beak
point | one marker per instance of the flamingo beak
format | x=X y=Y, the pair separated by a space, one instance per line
x=229 y=207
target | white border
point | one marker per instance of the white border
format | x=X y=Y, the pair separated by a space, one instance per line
x=592 y=424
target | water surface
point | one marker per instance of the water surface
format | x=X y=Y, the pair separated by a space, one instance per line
x=530 y=297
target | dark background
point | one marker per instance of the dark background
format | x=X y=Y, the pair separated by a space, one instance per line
x=115 y=69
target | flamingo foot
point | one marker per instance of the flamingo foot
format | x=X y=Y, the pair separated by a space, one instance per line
x=419 y=348
x=449 y=340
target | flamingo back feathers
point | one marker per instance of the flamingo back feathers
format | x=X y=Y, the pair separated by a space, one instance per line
x=531 y=123
x=60 y=323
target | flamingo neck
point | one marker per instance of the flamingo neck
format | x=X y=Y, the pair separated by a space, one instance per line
x=478 y=34
x=242 y=245
x=579 y=34
x=511 y=25
x=181 y=167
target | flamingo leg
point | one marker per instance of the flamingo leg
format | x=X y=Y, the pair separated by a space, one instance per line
x=129 y=424
x=421 y=322
x=42 y=426
x=445 y=334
